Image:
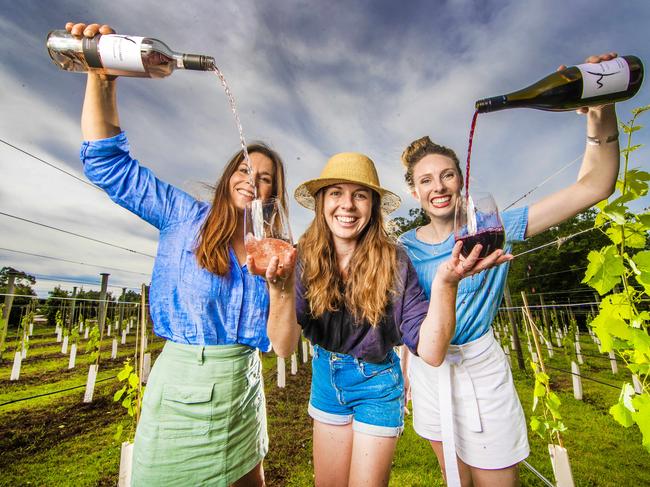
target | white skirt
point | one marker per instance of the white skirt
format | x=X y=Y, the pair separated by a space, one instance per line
x=474 y=386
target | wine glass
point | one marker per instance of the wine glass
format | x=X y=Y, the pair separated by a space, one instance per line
x=267 y=232
x=477 y=221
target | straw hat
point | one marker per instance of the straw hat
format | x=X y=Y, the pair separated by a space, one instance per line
x=347 y=167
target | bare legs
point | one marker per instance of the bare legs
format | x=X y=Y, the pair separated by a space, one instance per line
x=343 y=457
x=254 y=478
x=478 y=477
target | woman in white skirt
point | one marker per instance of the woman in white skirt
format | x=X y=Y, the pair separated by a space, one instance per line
x=468 y=407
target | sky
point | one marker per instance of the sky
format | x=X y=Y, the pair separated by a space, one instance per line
x=310 y=78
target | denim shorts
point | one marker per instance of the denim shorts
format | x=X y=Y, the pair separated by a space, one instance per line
x=347 y=390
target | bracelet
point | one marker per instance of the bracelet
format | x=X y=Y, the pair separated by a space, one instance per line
x=597 y=141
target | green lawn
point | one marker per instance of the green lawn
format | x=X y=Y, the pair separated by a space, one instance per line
x=59 y=441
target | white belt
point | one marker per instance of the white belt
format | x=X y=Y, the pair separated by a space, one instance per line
x=451 y=368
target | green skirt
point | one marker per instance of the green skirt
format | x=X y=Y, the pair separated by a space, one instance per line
x=203 y=418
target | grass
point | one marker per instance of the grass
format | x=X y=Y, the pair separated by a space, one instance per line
x=59 y=441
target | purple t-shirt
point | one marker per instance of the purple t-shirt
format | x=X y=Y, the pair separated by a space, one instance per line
x=337 y=331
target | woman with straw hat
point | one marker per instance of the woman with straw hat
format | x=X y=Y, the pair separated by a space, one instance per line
x=357 y=297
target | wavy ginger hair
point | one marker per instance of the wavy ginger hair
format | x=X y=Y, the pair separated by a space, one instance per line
x=372 y=272
x=214 y=238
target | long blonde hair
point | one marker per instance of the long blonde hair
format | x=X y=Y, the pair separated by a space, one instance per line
x=372 y=273
x=220 y=225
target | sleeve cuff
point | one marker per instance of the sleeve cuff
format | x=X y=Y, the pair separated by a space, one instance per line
x=105 y=147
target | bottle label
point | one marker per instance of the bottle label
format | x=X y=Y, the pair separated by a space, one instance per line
x=121 y=52
x=604 y=78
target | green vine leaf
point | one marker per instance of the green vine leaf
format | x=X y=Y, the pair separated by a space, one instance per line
x=604 y=269
x=636 y=182
x=642 y=417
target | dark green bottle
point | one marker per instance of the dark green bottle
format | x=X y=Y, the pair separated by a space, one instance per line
x=575 y=87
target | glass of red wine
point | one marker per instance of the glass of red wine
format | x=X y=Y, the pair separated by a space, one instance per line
x=267 y=232
x=477 y=221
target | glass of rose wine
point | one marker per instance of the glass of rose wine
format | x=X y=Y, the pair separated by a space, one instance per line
x=267 y=232
x=477 y=221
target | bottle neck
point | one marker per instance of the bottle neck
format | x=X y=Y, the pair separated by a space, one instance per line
x=492 y=104
x=196 y=62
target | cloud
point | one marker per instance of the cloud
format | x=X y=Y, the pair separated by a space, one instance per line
x=310 y=78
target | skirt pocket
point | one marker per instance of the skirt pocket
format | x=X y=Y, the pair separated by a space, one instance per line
x=186 y=410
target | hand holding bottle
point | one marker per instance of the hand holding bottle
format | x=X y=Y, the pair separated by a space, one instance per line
x=94 y=47
x=90 y=31
x=603 y=80
x=594 y=59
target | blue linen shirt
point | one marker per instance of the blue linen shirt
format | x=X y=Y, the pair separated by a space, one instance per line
x=478 y=296
x=188 y=304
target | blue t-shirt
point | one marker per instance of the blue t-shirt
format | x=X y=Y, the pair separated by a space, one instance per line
x=478 y=296
x=188 y=304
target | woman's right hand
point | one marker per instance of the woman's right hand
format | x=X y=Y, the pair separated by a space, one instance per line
x=91 y=30
x=88 y=30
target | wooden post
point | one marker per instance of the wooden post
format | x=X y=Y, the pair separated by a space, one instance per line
x=533 y=332
x=561 y=466
x=6 y=310
x=612 y=361
x=305 y=351
x=579 y=353
x=122 y=304
x=73 y=307
x=294 y=363
x=73 y=356
x=101 y=317
x=577 y=381
x=513 y=330
x=282 y=375
x=140 y=362
x=547 y=325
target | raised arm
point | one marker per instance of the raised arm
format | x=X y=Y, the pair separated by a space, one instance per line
x=99 y=117
x=597 y=175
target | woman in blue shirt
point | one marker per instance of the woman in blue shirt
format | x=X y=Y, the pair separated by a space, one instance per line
x=468 y=407
x=203 y=418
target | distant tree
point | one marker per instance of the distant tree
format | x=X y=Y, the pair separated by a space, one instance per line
x=132 y=297
x=54 y=303
x=23 y=283
x=417 y=218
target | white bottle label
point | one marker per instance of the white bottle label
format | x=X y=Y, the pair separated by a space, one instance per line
x=604 y=78
x=121 y=52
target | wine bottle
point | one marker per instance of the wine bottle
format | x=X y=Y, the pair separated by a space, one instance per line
x=121 y=55
x=574 y=87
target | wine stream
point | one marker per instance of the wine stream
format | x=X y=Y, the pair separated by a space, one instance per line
x=242 y=140
x=469 y=154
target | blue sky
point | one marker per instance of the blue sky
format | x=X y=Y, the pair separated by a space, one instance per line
x=311 y=79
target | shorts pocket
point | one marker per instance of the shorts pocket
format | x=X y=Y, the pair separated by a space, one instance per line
x=186 y=410
x=368 y=369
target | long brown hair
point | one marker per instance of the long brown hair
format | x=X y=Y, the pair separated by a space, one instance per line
x=221 y=223
x=420 y=148
x=372 y=274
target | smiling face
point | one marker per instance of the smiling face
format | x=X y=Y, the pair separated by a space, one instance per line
x=347 y=209
x=437 y=185
x=240 y=189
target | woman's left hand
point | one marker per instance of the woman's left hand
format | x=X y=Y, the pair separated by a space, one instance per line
x=594 y=59
x=459 y=267
x=277 y=274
